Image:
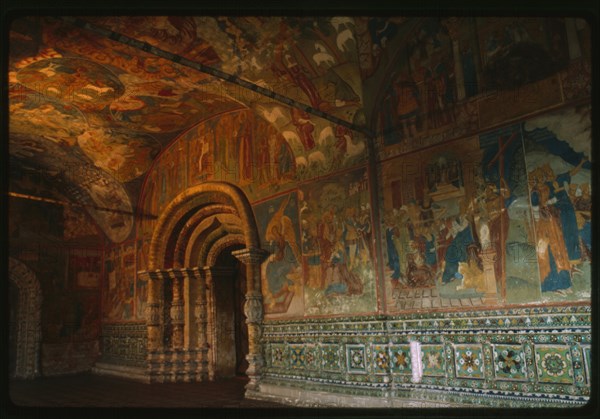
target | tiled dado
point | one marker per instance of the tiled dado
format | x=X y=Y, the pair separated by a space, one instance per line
x=124 y=344
x=510 y=358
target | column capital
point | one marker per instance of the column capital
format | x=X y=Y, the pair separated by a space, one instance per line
x=251 y=255
x=181 y=273
x=155 y=275
x=209 y=272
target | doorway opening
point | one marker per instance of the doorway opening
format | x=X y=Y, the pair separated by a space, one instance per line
x=230 y=337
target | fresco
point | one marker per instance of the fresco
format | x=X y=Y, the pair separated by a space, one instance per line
x=118 y=289
x=148 y=204
x=178 y=34
x=504 y=215
x=317 y=146
x=72 y=80
x=428 y=225
x=483 y=221
x=122 y=58
x=68 y=278
x=77 y=320
x=158 y=108
x=262 y=155
x=103 y=197
x=171 y=169
x=85 y=269
x=282 y=274
x=274 y=164
x=108 y=203
x=374 y=35
x=438 y=67
x=102 y=120
x=141 y=285
x=458 y=75
x=77 y=224
x=123 y=155
x=200 y=145
x=511 y=46
x=32 y=114
x=558 y=153
x=337 y=256
x=520 y=57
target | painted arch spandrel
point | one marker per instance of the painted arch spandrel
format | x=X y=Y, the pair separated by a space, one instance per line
x=337 y=255
x=558 y=153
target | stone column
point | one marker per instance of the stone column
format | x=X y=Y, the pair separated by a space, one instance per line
x=201 y=318
x=209 y=356
x=190 y=293
x=155 y=323
x=154 y=309
x=177 y=319
x=253 y=309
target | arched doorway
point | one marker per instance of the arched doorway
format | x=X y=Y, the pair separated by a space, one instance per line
x=230 y=339
x=25 y=327
x=193 y=277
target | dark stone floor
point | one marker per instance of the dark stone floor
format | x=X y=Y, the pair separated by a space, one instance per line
x=87 y=391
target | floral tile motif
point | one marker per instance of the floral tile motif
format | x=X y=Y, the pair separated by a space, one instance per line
x=330 y=359
x=355 y=358
x=278 y=355
x=310 y=357
x=297 y=356
x=509 y=362
x=469 y=361
x=554 y=364
x=381 y=358
x=433 y=360
x=400 y=359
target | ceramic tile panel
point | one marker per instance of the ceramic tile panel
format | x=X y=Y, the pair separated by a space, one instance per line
x=356 y=359
x=510 y=363
x=433 y=360
x=400 y=360
x=553 y=363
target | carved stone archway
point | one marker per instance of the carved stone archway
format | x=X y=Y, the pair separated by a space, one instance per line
x=28 y=320
x=192 y=230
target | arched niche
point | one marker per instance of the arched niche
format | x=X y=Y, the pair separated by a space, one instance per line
x=28 y=317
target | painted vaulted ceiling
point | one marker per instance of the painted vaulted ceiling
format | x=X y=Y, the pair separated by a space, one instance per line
x=94 y=100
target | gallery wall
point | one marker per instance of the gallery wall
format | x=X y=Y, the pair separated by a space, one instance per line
x=63 y=250
x=465 y=207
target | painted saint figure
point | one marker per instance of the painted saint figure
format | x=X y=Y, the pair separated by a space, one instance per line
x=553 y=260
x=304 y=127
x=560 y=199
x=462 y=237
